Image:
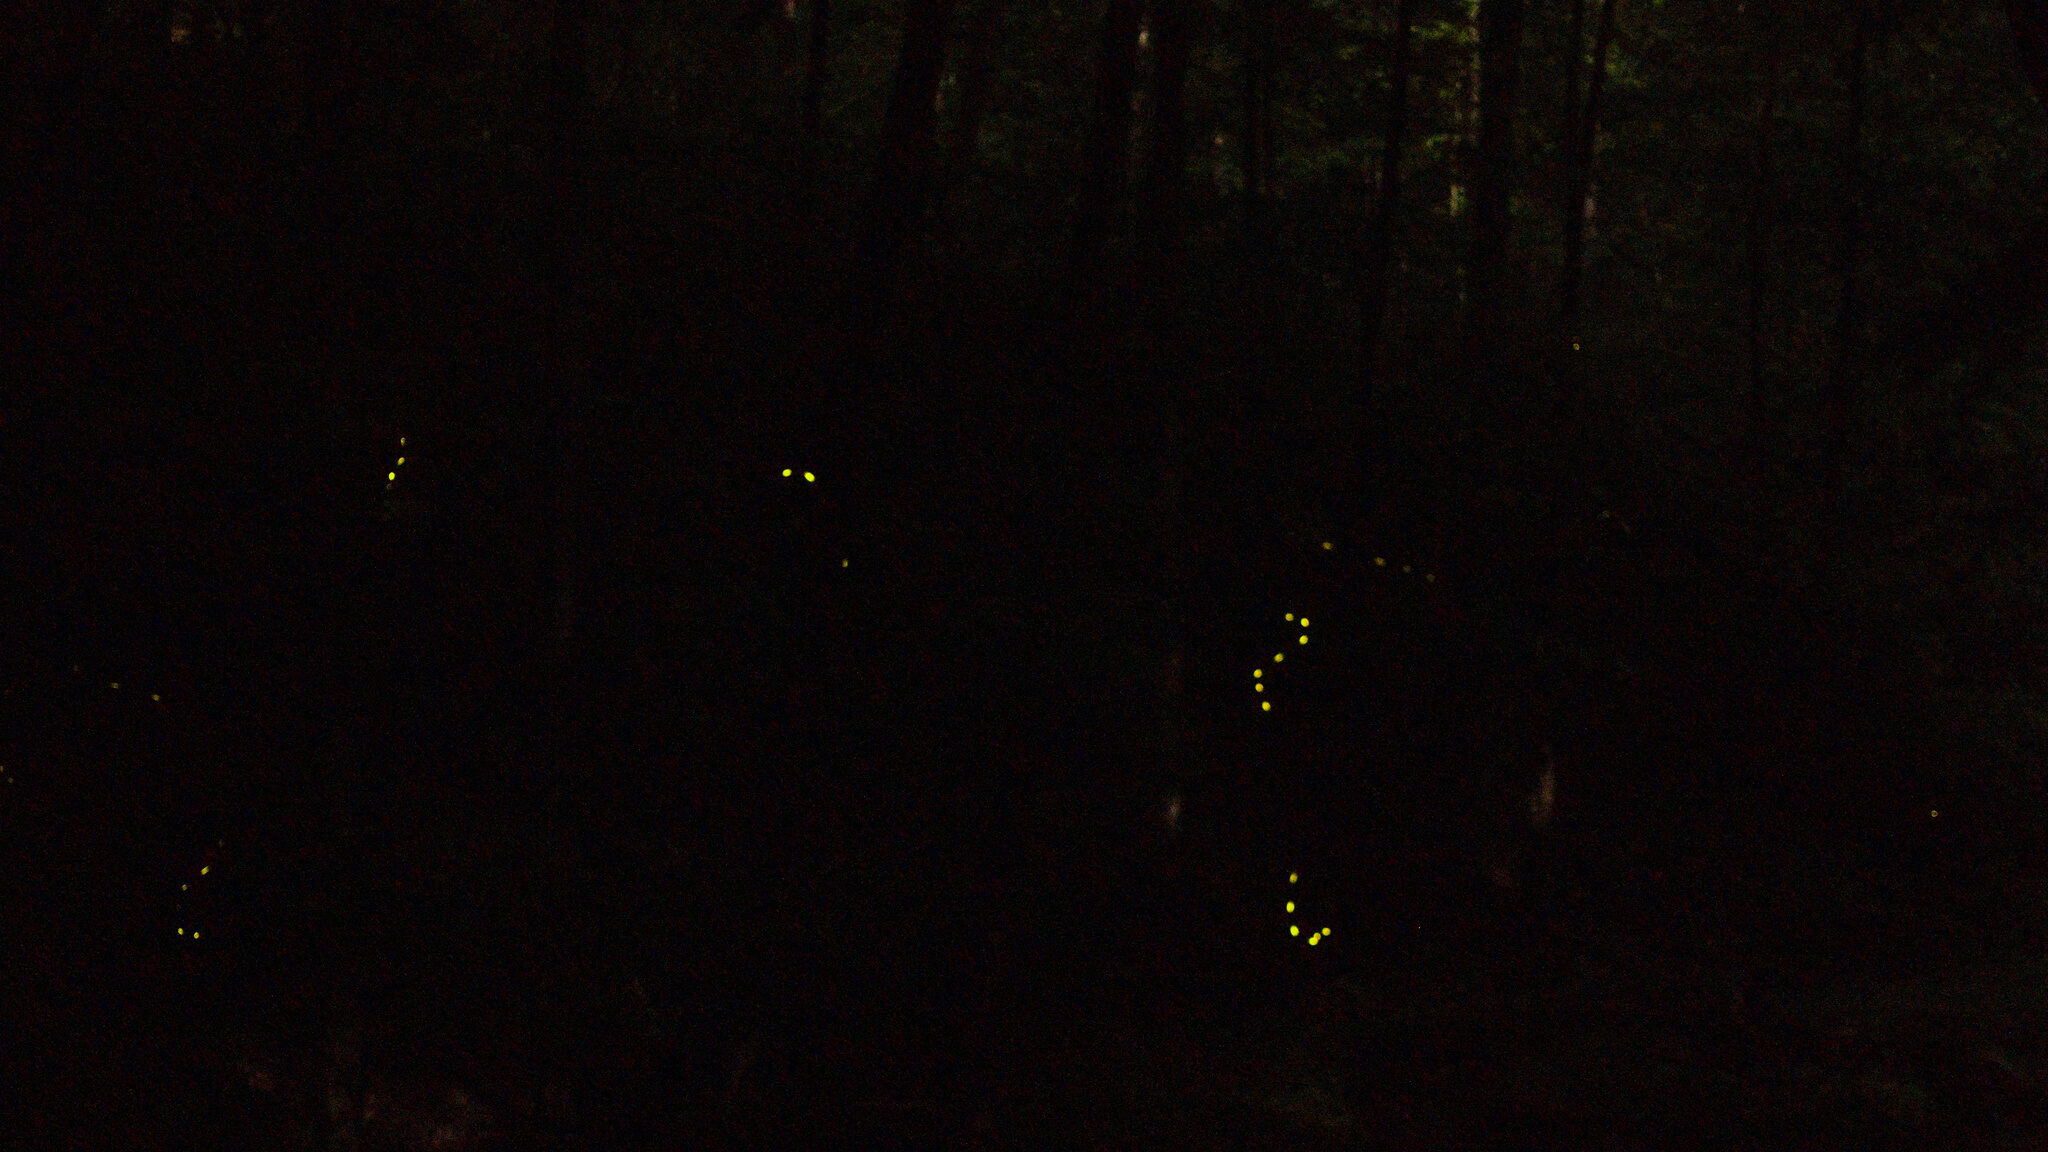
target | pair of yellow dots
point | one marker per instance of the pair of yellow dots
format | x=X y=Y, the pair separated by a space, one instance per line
x=1259 y=674
x=1315 y=937
x=808 y=477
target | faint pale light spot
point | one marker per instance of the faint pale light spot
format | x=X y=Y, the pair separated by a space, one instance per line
x=1934 y=814
x=154 y=696
x=184 y=887
x=115 y=687
x=1326 y=545
x=1575 y=345
x=842 y=563
x=1379 y=561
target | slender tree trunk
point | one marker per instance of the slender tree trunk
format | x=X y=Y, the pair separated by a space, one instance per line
x=1107 y=164
x=814 y=73
x=903 y=181
x=1848 y=313
x=1586 y=131
x=1762 y=197
x=1381 y=258
x=570 y=355
x=1159 y=224
x=1500 y=43
x=1258 y=112
x=977 y=64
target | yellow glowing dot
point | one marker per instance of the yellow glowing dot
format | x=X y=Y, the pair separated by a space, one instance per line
x=1294 y=929
x=1279 y=656
x=391 y=475
x=1304 y=621
x=1293 y=876
x=786 y=471
x=1934 y=814
x=401 y=459
x=1290 y=905
x=1258 y=687
x=181 y=931
x=1312 y=940
x=401 y=441
x=195 y=933
x=1575 y=345
x=808 y=477
x=842 y=563
x=115 y=687
x=1265 y=705
x=1379 y=561
x=1258 y=672
x=1290 y=615
x=1304 y=639
x=1326 y=545
x=205 y=870
x=184 y=887
x=1326 y=931
x=154 y=696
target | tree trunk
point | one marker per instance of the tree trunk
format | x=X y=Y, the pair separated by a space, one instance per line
x=1760 y=210
x=1500 y=43
x=1258 y=111
x=1159 y=223
x=814 y=73
x=1381 y=259
x=1107 y=164
x=1586 y=131
x=903 y=181
x=975 y=67
x=1848 y=313
x=569 y=357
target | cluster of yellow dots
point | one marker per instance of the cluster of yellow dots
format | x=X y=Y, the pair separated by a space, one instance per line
x=204 y=869
x=1406 y=569
x=391 y=477
x=809 y=478
x=1259 y=674
x=1315 y=937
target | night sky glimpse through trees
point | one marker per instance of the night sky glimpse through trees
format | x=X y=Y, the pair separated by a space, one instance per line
x=973 y=574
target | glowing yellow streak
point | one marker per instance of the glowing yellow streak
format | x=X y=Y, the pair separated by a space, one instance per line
x=842 y=563
x=808 y=477
x=205 y=870
x=401 y=459
x=401 y=441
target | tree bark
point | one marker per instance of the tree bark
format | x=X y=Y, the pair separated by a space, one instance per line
x=1848 y=312
x=1381 y=251
x=1500 y=42
x=1107 y=163
x=903 y=181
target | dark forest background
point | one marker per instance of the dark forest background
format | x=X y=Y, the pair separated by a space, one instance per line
x=696 y=568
